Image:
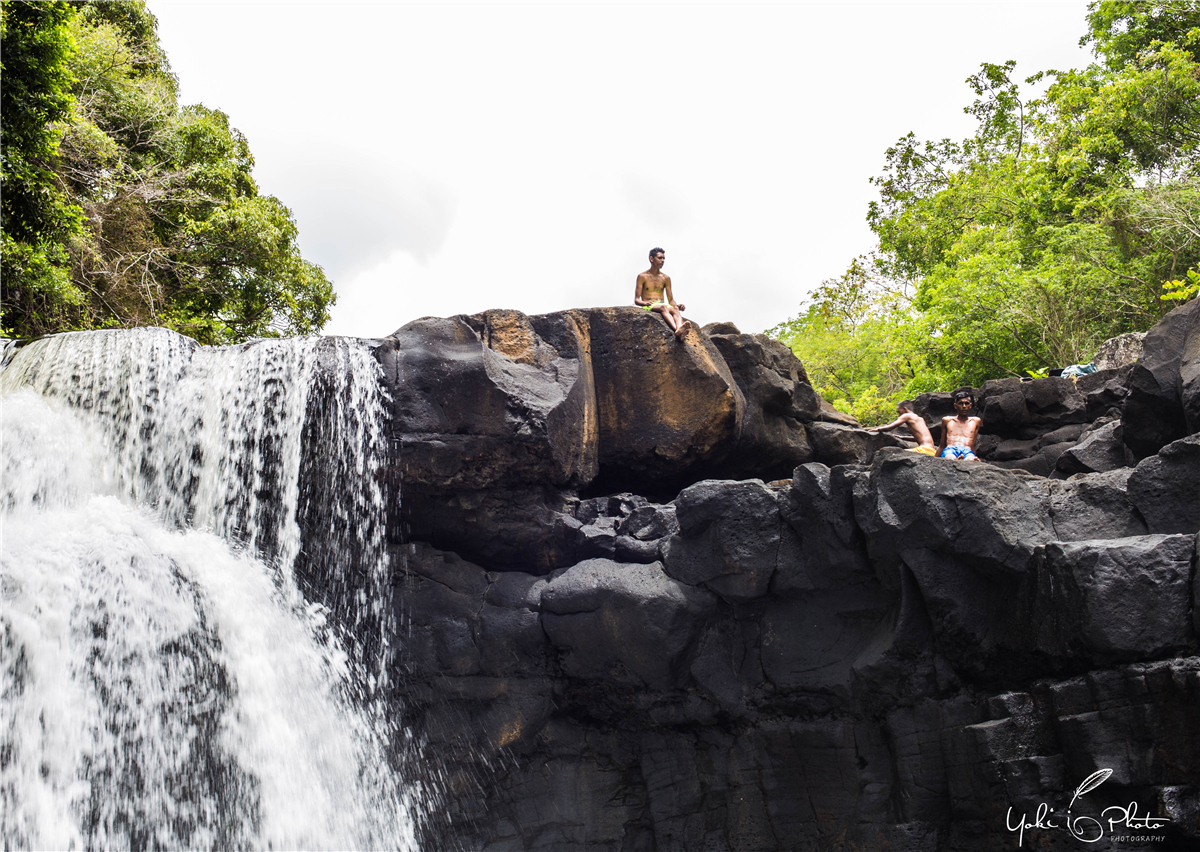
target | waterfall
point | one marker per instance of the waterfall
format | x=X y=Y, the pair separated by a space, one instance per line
x=195 y=604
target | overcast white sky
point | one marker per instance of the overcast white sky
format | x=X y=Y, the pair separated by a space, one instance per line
x=445 y=158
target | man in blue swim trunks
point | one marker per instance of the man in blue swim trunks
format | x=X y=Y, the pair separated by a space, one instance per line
x=959 y=430
x=653 y=293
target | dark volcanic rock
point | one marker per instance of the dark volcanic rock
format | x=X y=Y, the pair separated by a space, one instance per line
x=1100 y=450
x=1003 y=406
x=970 y=509
x=1104 y=390
x=1163 y=404
x=896 y=655
x=664 y=405
x=732 y=538
x=820 y=508
x=1054 y=400
x=626 y=527
x=531 y=529
x=1115 y=599
x=812 y=641
x=1069 y=434
x=1094 y=506
x=837 y=443
x=1166 y=487
x=500 y=420
x=498 y=399
x=779 y=400
x=626 y=623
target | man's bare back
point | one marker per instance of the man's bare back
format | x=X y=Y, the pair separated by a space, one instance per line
x=960 y=430
x=653 y=292
x=916 y=427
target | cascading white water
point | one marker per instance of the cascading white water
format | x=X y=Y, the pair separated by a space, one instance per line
x=164 y=683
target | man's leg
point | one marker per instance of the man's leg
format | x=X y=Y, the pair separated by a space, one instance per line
x=680 y=324
x=669 y=315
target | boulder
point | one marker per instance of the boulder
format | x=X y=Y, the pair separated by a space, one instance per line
x=668 y=410
x=1100 y=450
x=1096 y=505
x=1119 y=351
x=1054 y=400
x=1052 y=453
x=986 y=446
x=492 y=400
x=1014 y=448
x=1163 y=404
x=1070 y=433
x=1002 y=406
x=779 y=401
x=1104 y=391
x=1165 y=488
x=837 y=443
x=1116 y=599
x=971 y=509
x=731 y=538
x=1037 y=464
x=627 y=624
x=829 y=414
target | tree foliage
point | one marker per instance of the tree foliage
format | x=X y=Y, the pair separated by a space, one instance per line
x=1057 y=225
x=174 y=230
x=36 y=215
x=848 y=334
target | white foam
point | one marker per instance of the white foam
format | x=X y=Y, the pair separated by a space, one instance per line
x=161 y=684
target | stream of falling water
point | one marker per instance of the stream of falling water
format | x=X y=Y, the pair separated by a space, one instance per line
x=163 y=682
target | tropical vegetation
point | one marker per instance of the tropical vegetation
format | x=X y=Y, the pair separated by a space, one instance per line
x=121 y=207
x=1066 y=219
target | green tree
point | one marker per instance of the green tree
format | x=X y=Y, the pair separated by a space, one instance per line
x=36 y=215
x=848 y=334
x=1120 y=30
x=175 y=230
x=1059 y=222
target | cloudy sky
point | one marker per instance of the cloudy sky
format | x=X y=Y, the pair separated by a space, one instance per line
x=450 y=157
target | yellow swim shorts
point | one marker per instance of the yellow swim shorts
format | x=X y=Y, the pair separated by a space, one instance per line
x=925 y=451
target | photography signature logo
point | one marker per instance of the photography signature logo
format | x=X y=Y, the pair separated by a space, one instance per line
x=1115 y=822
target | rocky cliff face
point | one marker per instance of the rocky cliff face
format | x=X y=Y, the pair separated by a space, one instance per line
x=655 y=597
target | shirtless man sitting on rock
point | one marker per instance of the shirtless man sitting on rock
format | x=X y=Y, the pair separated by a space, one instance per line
x=916 y=426
x=960 y=430
x=653 y=293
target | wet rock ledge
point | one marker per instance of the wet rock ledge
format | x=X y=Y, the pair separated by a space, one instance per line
x=656 y=596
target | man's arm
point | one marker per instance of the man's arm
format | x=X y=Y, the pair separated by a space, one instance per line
x=906 y=418
x=945 y=434
x=669 y=296
x=637 y=290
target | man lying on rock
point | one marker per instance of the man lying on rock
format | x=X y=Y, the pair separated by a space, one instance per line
x=916 y=426
x=653 y=293
x=959 y=430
